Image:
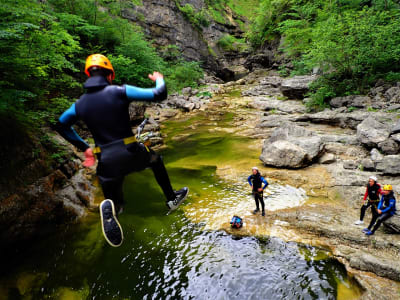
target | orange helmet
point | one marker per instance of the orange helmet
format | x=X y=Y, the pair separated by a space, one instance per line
x=98 y=60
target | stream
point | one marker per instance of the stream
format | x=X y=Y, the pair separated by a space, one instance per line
x=192 y=253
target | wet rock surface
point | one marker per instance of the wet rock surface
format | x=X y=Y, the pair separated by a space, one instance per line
x=353 y=144
x=53 y=199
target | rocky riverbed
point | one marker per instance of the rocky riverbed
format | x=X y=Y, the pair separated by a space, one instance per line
x=329 y=155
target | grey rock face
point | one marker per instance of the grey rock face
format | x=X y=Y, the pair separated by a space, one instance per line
x=350 y=164
x=291 y=146
x=327 y=158
x=371 y=132
x=348 y=101
x=389 y=165
x=288 y=106
x=296 y=87
x=395 y=128
x=368 y=164
x=393 y=224
x=389 y=146
x=376 y=155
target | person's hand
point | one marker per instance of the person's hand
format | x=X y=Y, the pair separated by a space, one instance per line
x=260 y=189
x=89 y=158
x=379 y=211
x=155 y=76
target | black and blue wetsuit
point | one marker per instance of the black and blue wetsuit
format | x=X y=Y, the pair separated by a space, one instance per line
x=105 y=110
x=387 y=205
x=256 y=182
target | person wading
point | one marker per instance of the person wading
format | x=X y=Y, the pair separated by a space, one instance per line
x=372 y=192
x=104 y=108
x=255 y=180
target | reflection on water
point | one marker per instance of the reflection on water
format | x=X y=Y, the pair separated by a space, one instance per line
x=183 y=255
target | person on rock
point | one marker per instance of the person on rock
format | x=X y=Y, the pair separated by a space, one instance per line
x=255 y=180
x=372 y=192
x=386 y=209
x=104 y=108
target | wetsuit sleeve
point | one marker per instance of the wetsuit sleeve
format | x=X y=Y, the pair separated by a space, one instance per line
x=380 y=203
x=64 y=128
x=155 y=94
x=391 y=205
x=249 y=180
x=366 y=194
x=265 y=181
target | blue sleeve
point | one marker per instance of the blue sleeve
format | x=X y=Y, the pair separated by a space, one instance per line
x=380 y=203
x=266 y=183
x=389 y=208
x=64 y=128
x=248 y=179
x=151 y=94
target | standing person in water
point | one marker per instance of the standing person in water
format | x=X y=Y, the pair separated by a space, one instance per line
x=255 y=180
x=386 y=209
x=372 y=192
x=104 y=108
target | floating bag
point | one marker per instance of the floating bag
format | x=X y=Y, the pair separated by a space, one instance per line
x=236 y=222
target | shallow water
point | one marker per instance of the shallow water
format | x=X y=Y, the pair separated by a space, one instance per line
x=184 y=255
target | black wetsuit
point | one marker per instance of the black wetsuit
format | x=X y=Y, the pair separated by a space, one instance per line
x=256 y=181
x=387 y=205
x=105 y=110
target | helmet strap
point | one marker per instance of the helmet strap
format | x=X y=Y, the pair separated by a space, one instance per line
x=109 y=78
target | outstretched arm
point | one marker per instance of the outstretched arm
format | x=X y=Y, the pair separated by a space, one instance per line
x=64 y=128
x=152 y=94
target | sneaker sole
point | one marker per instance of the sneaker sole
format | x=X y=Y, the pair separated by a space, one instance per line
x=107 y=215
x=180 y=202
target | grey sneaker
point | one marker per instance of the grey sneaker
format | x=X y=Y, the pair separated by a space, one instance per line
x=180 y=196
x=358 y=222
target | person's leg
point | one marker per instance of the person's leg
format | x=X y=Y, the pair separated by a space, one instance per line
x=110 y=208
x=255 y=194
x=112 y=189
x=375 y=216
x=161 y=175
x=364 y=209
x=262 y=203
x=381 y=219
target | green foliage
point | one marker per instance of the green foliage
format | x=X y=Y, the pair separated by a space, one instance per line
x=354 y=43
x=183 y=74
x=198 y=19
x=44 y=45
x=229 y=43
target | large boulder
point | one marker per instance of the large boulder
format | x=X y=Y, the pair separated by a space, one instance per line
x=390 y=165
x=291 y=146
x=348 y=101
x=370 y=132
x=395 y=128
x=296 y=87
x=393 y=224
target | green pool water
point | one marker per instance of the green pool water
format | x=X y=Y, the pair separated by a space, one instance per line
x=178 y=256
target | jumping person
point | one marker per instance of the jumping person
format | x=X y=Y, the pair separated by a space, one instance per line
x=255 y=180
x=386 y=209
x=104 y=108
x=372 y=192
